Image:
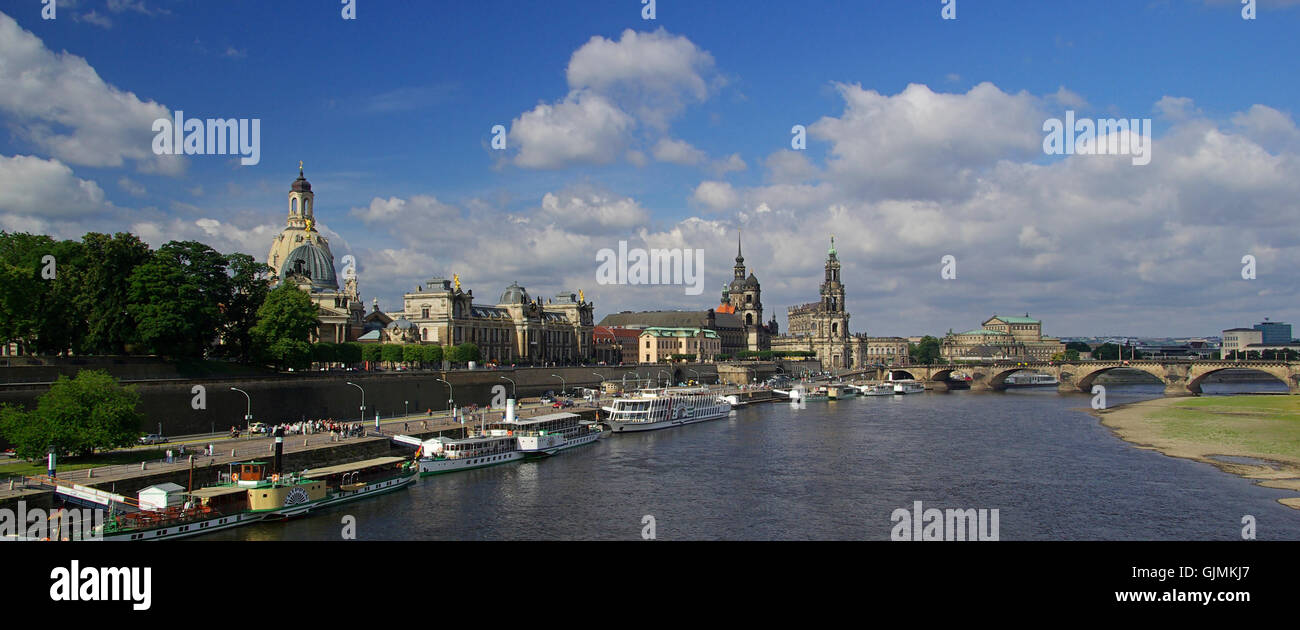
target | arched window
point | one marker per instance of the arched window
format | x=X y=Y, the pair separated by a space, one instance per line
x=293 y=206
x=835 y=328
x=749 y=318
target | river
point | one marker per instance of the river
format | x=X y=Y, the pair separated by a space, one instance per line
x=833 y=470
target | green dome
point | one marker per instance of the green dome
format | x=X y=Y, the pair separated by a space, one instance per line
x=314 y=262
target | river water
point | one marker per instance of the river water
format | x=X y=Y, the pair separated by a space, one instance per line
x=833 y=470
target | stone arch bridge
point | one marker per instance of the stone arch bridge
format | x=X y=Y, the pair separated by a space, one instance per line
x=1181 y=377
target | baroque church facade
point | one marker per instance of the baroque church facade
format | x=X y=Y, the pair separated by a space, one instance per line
x=299 y=254
x=743 y=297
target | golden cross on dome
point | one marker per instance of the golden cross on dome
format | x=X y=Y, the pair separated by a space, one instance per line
x=300 y=168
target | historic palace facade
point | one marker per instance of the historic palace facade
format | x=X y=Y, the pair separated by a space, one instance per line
x=516 y=329
x=1002 y=338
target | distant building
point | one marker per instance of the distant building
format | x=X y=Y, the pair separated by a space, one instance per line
x=729 y=327
x=886 y=351
x=822 y=327
x=1236 y=339
x=1002 y=338
x=1274 y=333
x=517 y=329
x=658 y=345
x=614 y=346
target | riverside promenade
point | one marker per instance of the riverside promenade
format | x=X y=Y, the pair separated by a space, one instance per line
x=301 y=451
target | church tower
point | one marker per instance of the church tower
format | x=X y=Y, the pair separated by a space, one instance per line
x=833 y=324
x=746 y=298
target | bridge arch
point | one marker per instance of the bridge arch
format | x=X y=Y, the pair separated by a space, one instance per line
x=895 y=374
x=1279 y=373
x=1085 y=379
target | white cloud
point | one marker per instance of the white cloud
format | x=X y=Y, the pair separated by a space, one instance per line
x=58 y=103
x=716 y=195
x=731 y=163
x=923 y=144
x=678 y=152
x=133 y=188
x=650 y=74
x=583 y=128
x=46 y=188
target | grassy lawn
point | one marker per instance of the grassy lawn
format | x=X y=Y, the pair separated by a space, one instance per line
x=1267 y=425
x=22 y=467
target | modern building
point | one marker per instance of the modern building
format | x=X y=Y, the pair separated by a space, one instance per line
x=822 y=327
x=1002 y=338
x=659 y=345
x=299 y=254
x=1236 y=340
x=1274 y=333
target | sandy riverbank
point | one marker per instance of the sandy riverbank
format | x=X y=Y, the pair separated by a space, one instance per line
x=1218 y=430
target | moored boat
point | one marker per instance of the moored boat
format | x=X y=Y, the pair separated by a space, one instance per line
x=670 y=408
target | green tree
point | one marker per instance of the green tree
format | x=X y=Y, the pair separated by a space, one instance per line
x=26 y=295
x=324 y=352
x=350 y=353
x=468 y=352
x=393 y=353
x=76 y=416
x=412 y=354
x=927 y=352
x=285 y=325
x=176 y=296
x=104 y=293
x=433 y=355
x=372 y=353
x=1078 y=346
x=250 y=283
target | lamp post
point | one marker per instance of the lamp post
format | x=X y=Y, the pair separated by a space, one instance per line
x=408 y=406
x=667 y=378
x=564 y=385
x=512 y=387
x=451 y=397
x=602 y=383
x=248 y=411
x=363 y=400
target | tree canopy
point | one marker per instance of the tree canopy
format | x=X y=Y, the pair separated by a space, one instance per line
x=76 y=416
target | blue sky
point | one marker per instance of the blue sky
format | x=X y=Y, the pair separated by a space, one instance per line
x=391 y=113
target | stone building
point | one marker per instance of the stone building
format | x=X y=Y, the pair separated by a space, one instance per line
x=1002 y=338
x=743 y=297
x=729 y=328
x=885 y=351
x=517 y=329
x=822 y=327
x=299 y=254
x=658 y=345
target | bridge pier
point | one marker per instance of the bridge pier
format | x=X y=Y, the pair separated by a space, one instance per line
x=1179 y=388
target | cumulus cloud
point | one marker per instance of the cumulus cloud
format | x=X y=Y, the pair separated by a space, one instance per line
x=639 y=82
x=46 y=188
x=678 y=152
x=59 y=104
x=715 y=195
x=583 y=128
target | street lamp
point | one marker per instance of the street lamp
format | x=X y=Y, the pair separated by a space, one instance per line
x=602 y=381
x=564 y=385
x=248 y=412
x=667 y=378
x=408 y=406
x=363 y=400
x=451 y=396
x=512 y=387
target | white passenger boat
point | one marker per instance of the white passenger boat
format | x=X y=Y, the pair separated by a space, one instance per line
x=1023 y=379
x=444 y=455
x=879 y=389
x=660 y=410
x=909 y=387
x=550 y=433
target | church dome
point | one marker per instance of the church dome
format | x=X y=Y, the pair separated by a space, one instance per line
x=751 y=281
x=514 y=294
x=313 y=261
x=301 y=184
